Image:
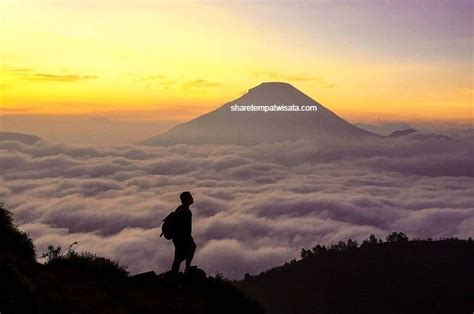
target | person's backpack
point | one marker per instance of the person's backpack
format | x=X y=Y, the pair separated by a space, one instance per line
x=168 y=228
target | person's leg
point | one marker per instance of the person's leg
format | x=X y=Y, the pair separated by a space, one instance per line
x=190 y=254
x=177 y=259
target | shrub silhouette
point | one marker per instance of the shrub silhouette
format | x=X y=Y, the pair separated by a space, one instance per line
x=52 y=253
x=12 y=240
x=84 y=261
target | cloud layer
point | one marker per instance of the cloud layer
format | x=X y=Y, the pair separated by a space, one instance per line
x=255 y=206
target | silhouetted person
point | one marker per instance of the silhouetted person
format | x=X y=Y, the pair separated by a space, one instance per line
x=183 y=241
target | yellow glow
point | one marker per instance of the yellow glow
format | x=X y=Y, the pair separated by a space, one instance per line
x=69 y=57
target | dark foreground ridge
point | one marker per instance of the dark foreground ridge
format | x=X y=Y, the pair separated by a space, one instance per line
x=396 y=276
x=85 y=283
x=35 y=288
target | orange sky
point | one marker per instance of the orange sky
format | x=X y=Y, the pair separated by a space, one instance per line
x=155 y=60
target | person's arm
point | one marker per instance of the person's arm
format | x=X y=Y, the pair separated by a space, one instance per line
x=179 y=222
x=188 y=224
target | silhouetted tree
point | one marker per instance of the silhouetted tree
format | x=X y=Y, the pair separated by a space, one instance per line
x=372 y=240
x=305 y=253
x=318 y=249
x=341 y=246
x=397 y=237
x=351 y=244
x=12 y=240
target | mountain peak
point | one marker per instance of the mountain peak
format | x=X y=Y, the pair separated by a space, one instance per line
x=252 y=127
x=272 y=85
x=269 y=93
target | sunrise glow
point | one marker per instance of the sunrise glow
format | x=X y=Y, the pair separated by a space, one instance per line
x=150 y=59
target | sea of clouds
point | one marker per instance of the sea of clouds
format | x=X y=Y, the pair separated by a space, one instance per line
x=255 y=206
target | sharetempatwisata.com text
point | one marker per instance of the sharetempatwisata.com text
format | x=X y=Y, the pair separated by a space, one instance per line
x=272 y=108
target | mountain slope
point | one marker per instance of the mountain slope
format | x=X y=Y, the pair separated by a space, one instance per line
x=419 y=276
x=398 y=133
x=19 y=137
x=223 y=126
x=86 y=283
